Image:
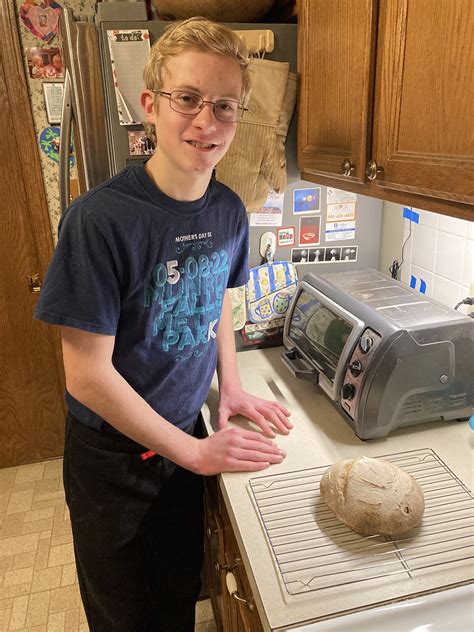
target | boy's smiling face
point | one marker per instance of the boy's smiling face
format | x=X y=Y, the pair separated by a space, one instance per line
x=193 y=145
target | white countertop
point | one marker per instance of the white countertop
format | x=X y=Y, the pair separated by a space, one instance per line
x=320 y=436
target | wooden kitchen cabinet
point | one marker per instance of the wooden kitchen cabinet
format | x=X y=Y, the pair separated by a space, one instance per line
x=237 y=612
x=386 y=103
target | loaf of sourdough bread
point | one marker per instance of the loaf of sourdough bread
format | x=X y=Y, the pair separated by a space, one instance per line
x=373 y=496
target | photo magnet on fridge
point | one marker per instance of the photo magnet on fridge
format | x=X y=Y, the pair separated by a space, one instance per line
x=44 y=63
x=139 y=144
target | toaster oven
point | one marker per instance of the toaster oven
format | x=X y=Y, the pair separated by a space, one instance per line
x=385 y=355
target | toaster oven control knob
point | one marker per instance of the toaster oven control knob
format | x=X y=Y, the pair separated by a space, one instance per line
x=366 y=343
x=348 y=390
x=355 y=368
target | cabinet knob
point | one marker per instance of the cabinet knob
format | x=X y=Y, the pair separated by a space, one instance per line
x=220 y=567
x=231 y=584
x=225 y=567
x=372 y=170
x=210 y=532
x=347 y=167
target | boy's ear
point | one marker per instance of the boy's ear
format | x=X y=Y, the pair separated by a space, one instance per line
x=148 y=104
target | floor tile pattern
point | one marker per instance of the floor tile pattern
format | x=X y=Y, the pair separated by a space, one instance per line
x=38 y=581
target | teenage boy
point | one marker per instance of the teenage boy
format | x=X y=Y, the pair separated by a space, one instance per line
x=138 y=285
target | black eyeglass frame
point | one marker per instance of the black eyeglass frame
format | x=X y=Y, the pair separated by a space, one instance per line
x=240 y=107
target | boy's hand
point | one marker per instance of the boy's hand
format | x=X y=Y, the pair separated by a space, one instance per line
x=261 y=411
x=236 y=450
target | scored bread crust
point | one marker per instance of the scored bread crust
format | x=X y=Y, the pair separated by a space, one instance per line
x=373 y=496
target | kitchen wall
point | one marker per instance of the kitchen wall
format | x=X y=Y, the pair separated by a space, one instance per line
x=437 y=256
x=35 y=88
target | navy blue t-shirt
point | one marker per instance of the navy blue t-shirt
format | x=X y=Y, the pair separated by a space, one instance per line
x=151 y=271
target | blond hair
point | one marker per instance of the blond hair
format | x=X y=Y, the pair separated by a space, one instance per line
x=199 y=34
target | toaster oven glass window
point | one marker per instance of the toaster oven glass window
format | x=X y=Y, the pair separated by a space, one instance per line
x=319 y=332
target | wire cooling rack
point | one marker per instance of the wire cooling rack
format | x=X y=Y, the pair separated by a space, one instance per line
x=313 y=550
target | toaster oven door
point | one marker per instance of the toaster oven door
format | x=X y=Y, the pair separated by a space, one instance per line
x=324 y=333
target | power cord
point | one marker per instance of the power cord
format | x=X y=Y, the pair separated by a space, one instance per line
x=395 y=268
x=469 y=300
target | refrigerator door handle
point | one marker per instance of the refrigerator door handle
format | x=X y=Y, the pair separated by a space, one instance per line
x=65 y=144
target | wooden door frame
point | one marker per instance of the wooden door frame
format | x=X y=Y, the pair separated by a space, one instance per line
x=24 y=132
x=36 y=208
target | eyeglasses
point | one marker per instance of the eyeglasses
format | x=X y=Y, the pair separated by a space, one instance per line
x=190 y=104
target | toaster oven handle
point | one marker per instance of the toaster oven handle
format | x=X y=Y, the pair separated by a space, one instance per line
x=298 y=366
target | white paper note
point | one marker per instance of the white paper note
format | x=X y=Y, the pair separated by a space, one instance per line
x=129 y=50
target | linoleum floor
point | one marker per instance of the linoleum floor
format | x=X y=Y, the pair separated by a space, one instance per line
x=38 y=582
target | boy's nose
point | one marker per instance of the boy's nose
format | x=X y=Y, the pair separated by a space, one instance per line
x=205 y=117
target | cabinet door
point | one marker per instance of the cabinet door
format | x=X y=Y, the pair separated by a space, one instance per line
x=336 y=43
x=214 y=555
x=243 y=610
x=424 y=100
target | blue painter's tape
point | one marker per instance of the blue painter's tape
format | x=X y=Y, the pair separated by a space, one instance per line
x=422 y=287
x=413 y=216
x=412 y=282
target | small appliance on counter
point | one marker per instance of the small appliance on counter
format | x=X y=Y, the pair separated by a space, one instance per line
x=384 y=354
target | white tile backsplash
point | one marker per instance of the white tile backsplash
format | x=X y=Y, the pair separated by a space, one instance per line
x=424 y=246
x=470 y=230
x=453 y=225
x=445 y=291
x=440 y=253
x=450 y=255
x=468 y=267
x=427 y=218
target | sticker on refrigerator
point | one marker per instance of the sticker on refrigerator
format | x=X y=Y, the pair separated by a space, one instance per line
x=271 y=213
x=336 y=196
x=310 y=231
x=339 y=231
x=306 y=200
x=286 y=236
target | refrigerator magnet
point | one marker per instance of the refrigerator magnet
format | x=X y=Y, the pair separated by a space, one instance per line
x=349 y=253
x=53 y=100
x=306 y=200
x=316 y=255
x=49 y=144
x=332 y=254
x=41 y=19
x=44 y=63
x=310 y=231
x=286 y=236
x=299 y=255
x=336 y=196
x=139 y=144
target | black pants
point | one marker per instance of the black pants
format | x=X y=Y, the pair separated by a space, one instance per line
x=138 y=533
